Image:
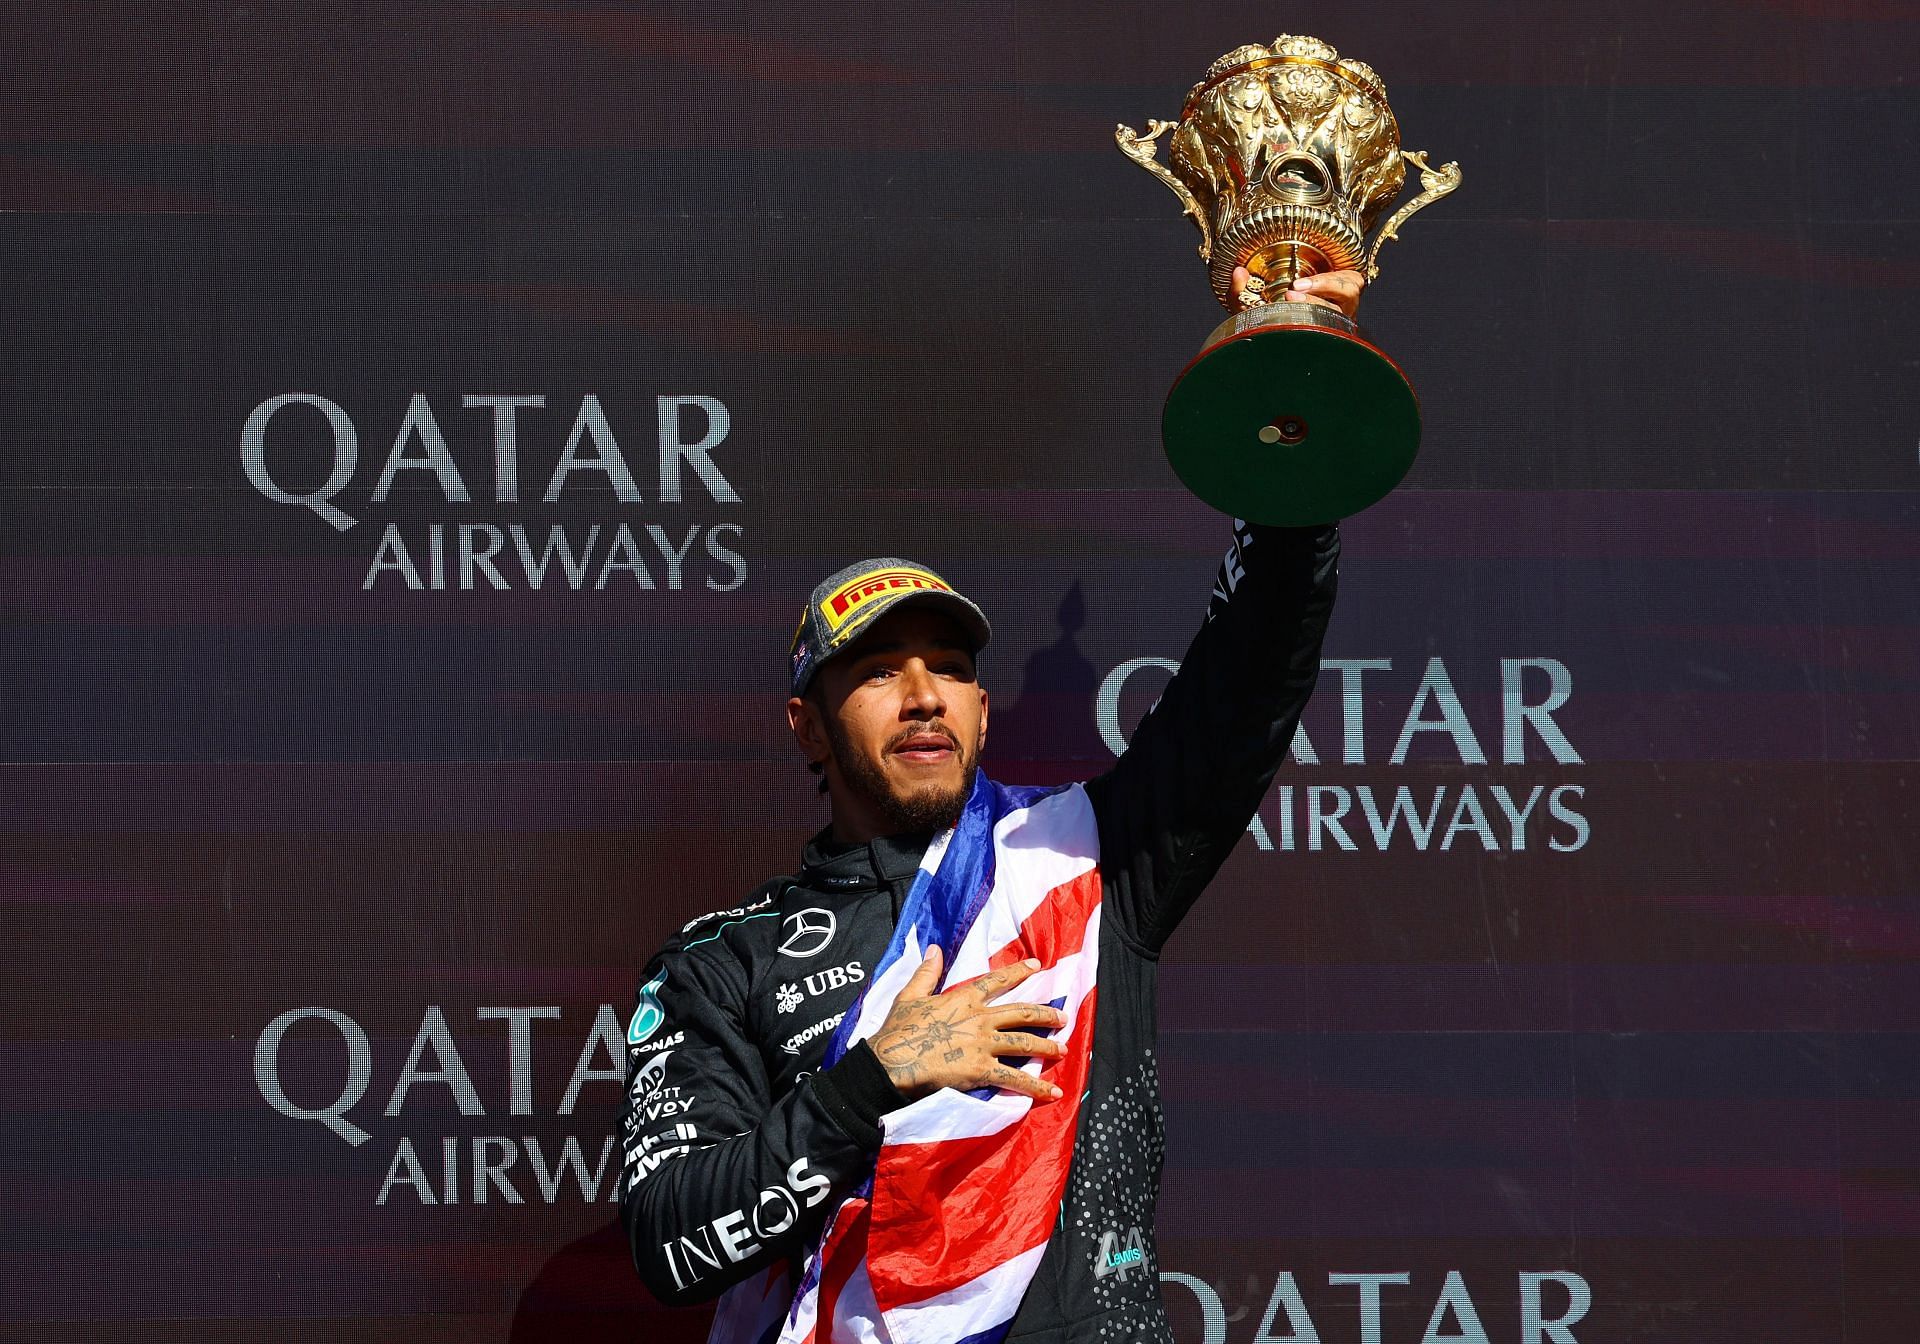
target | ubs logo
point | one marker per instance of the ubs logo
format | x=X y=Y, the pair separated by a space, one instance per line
x=790 y=996
x=808 y=932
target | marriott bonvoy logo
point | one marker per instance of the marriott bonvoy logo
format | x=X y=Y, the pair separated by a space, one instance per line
x=485 y=447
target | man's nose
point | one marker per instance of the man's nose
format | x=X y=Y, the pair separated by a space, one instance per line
x=921 y=692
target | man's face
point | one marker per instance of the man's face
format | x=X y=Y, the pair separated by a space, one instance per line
x=898 y=721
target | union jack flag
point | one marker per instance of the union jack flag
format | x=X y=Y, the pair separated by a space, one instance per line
x=939 y=1244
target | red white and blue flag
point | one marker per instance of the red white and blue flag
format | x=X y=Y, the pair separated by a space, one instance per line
x=939 y=1245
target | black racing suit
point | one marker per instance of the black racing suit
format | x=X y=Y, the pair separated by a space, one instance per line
x=737 y=1144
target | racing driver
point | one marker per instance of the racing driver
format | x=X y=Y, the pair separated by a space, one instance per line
x=727 y=1099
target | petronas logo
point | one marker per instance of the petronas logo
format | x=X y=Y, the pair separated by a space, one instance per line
x=649 y=1015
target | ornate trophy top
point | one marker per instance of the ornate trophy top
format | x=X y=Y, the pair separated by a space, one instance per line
x=1285 y=156
x=1298 y=51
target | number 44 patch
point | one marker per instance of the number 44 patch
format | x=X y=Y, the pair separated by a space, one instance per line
x=1116 y=1258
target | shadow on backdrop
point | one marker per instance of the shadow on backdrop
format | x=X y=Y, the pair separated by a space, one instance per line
x=588 y=1292
x=1048 y=735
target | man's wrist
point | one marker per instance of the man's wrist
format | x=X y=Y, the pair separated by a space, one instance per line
x=857 y=1091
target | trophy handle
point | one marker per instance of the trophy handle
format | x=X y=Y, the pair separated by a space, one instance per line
x=1434 y=183
x=1140 y=148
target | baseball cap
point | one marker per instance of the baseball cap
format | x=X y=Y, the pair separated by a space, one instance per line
x=846 y=603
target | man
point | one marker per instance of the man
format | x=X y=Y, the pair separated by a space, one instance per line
x=780 y=1107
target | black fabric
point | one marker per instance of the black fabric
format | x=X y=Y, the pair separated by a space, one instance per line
x=858 y=1091
x=736 y=1145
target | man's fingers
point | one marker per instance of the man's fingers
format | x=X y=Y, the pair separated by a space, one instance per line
x=1346 y=284
x=923 y=981
x=1337 y=289
x=995 y=983
x=1024 y=1015
x=1333 y=289
x=1020 y=1043
x=1018 y=1080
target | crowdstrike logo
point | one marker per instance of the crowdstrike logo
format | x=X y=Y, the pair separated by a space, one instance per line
x=808 y=932
x=800 y=1038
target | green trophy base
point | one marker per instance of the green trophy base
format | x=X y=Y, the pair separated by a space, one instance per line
x=1289 y=418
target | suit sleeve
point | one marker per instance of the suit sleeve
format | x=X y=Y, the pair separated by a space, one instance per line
x=718 y=1180
x=1180 y=796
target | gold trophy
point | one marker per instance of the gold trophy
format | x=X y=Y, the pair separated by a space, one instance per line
x=1285 y=156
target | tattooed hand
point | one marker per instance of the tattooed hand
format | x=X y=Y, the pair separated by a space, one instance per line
x=930 y=1041
x=1329 y=289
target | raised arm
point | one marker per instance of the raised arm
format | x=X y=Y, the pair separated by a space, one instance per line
x=719 y=1181
x=1177 y=801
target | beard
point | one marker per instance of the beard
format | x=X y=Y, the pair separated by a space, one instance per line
x=927 y=809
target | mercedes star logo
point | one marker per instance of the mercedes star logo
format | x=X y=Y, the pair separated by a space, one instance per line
x=808 y=932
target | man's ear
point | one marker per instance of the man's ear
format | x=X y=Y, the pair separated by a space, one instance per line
x=803 y=717
x=983 y=718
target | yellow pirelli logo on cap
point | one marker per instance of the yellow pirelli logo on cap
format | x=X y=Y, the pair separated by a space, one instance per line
x=846 y=601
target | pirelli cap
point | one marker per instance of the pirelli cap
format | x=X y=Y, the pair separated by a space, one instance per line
x=846 y=603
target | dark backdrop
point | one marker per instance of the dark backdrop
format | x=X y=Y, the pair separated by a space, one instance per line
x=324 y=889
